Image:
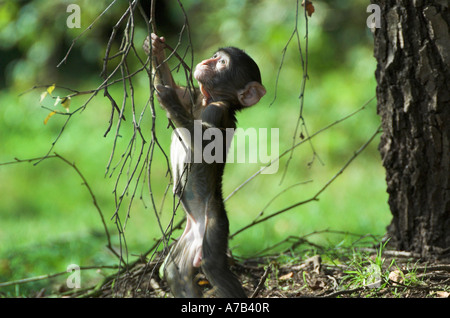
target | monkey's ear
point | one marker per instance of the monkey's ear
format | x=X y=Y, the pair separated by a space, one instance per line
x=251 y=94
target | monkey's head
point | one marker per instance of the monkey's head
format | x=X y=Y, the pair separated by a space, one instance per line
x=230 y=75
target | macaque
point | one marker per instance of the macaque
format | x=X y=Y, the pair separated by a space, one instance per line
x=229 y=81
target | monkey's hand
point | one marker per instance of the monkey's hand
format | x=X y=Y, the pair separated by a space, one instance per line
x=167 y=97
x=157 y=47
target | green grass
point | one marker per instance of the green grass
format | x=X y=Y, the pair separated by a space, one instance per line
x=366 y=271
x=374 y=273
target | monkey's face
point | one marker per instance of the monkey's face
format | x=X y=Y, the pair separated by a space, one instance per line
x=213 y=75
x=226 y=77
x=207 y=70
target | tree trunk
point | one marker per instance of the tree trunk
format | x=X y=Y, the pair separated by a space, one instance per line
x=412 y=48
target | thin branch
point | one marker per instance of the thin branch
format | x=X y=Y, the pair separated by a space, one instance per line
x=316 y=196
x=85 y=183
x=48 y=276
x=304 y=62
x=261 y=282
x=297 y=145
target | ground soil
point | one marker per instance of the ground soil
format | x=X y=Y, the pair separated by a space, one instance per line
x=401 y=277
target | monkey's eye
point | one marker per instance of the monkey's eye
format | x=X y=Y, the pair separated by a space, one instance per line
x=223 y=62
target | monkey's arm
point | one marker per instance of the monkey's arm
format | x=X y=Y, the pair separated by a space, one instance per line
x=162 y=74
x=160 y=69
x=213 y=116
x=169 y=100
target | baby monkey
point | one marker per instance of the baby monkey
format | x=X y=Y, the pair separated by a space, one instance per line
x=229 y=81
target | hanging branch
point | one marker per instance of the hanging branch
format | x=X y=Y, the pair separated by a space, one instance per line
x=304 y=63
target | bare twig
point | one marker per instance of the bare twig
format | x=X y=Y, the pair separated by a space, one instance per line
x=85 y=183
x=261 y=282
x=287 y=151
x=321 y=190
x=304 y=62
x=48 y=276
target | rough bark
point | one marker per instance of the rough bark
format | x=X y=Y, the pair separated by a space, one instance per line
x=412 y=48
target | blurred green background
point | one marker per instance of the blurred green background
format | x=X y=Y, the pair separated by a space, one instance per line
x=47 y=218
